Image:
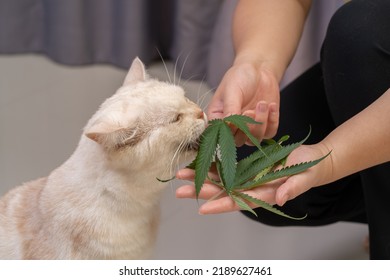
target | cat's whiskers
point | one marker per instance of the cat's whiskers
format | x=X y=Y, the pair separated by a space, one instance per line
x=201 y=99
x=176 y=161
x=198 y=91
x=174 y=69
x=182 y=67
x=165 y=65
x=176 y=156
x=184 y=84
x=171 y=167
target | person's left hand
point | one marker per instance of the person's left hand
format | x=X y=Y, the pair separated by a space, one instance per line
x=275 y=192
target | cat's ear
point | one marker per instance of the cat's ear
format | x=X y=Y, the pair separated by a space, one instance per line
x=99 y=131
x=111 y=136
x=137 y=73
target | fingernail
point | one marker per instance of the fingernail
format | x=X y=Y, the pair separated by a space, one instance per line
x=273 y=108
x=201 y=211
x=284 y=199
x=262 y=106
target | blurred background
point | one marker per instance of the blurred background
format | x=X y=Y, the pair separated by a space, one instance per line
x=60 y=59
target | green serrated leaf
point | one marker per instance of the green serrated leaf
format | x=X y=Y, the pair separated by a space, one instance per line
x=245 y=163
x=242 y=204
x=251 y=166
x=284 y=172
x=241 y=119
x=275 y=155
x=268 y=142
x=228 y=154
x=284 y=138
x=219 y=170
x=217 y=145
x=207 y=146
x=265 y=205
x=263 y=173
x=241 y=122
x=217 y=183
x=192 y=165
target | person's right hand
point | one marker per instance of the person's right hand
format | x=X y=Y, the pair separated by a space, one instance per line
x=252 y=91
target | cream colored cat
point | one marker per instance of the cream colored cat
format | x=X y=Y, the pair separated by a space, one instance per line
x=103 y=202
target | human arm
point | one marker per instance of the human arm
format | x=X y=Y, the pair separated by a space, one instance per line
x=265 y=34
x=361 y=142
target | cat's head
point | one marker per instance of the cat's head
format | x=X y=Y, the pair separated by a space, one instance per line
x=147 y=124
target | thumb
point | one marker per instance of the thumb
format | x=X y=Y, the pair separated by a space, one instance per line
x=232 y=104
x=224 y=103
x=291 y=188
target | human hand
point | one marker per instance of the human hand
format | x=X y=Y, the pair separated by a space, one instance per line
x=251 y=91
x=275 y=192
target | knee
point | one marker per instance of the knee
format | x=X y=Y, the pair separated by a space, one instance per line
x=359 y=28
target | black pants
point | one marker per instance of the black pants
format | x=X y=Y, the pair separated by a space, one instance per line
x=353 y=72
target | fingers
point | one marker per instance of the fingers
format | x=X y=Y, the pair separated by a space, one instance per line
x=226 y=203
x=268 y=116
x=223 y=105
x=272 y=121
x=189 y=174
x=207 y=192
x=215 y=108
x=239 y=137
x=185 y=174
x=261 y=115
x=222 y=205
x=219 y=202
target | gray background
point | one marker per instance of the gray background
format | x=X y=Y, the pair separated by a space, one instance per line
x=43 y=108
x=45 y=105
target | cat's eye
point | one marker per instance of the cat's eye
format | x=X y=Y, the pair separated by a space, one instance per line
x=177 y=118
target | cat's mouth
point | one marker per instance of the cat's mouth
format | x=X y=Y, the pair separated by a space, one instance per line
x=193 y=146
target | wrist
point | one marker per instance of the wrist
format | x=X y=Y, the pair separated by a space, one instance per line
x=260 y=64
x=327 y=174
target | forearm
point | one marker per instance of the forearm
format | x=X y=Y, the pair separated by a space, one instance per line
x=361 y=142
x=266 y=33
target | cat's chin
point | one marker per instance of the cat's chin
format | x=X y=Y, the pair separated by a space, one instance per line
x=192 y=146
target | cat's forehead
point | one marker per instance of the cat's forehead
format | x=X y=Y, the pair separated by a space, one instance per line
x=148 y=98
x=152 y=93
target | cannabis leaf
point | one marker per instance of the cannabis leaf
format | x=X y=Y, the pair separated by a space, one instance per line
x=217 y=147
x=284 y=172
x=227 y=155
x=241 y=123
x=206 y=154
x=275 y=153
x=264 y=205
x=217 y=142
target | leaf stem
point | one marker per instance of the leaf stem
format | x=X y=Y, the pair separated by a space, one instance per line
x=217 y=195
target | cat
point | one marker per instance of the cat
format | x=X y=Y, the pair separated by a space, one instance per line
x=103 y=202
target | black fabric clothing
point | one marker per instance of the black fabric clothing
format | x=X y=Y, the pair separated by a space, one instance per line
x=353 y=72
